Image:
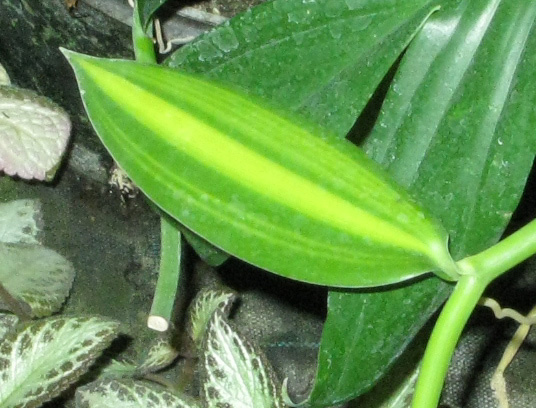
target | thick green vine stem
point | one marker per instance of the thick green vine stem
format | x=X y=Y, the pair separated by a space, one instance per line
x=168 y=276
x=444 y=338
x=143 y=45
x=170 y=247
x=477 y=272
x=509 y=252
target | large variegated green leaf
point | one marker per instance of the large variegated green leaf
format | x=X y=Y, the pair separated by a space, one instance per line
x=255 y=183
x=349 y=46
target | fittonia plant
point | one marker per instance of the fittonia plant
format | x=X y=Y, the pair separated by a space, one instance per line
x=34 y=132
x=33 y=135
x=233 y=371
x=293 y=198
x=38 y=359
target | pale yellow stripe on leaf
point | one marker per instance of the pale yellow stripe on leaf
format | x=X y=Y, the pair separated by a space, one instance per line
x=248 y=168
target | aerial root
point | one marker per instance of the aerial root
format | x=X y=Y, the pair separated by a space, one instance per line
x=498 y=383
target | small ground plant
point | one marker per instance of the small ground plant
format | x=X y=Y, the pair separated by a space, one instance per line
x=39 y=359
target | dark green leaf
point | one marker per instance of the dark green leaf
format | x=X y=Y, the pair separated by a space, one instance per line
x=322 y=58
x=458 y=130
x=212 y=255
x=146 y=10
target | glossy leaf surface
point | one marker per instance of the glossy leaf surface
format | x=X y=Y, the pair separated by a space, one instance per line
x=256 y=184
x=321 y=58
x=466 y=87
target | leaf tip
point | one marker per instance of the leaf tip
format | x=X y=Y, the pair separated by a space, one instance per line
x=67 y=53
x=73 y=57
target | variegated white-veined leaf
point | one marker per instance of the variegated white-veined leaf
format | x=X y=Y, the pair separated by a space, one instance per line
x=36 y=275
x=20 y=221
x=236 y=374
x=203 y=306
x=46 y=356
x=7 y=323
x=119 y=369
x=129 y=394
x=33 y=133
x=161 y=354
